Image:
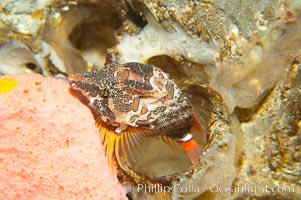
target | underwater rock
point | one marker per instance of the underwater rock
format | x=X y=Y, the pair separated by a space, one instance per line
x=44 y=26
x=272 y=153
x=45 y=153
x=16 y=58
x=231 y=40
x=57 y=51
x=229 y=52
x=23 y=21
x=265 y=59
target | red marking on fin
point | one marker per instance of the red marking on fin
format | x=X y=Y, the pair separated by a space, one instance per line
x=193 y=149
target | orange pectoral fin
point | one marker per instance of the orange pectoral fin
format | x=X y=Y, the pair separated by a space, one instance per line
x=193 y=149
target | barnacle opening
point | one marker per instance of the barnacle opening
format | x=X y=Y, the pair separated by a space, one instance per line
x=178 y=67
x=164 y=157
x=209 y=106
x=95 y=34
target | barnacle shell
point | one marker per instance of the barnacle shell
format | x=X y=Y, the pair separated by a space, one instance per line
x=216 y=160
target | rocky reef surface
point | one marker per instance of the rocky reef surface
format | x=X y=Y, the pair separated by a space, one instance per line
x=237 y=61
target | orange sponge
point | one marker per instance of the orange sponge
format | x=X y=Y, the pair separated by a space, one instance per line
x=49 y=145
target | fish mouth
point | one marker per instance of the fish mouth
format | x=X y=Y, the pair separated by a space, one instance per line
x=73 y=79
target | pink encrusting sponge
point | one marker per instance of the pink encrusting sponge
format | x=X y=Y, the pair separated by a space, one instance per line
x=49 y=145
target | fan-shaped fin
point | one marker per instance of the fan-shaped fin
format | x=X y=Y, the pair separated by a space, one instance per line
x=124 y=147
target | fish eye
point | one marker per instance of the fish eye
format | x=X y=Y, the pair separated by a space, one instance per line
x=85 y=76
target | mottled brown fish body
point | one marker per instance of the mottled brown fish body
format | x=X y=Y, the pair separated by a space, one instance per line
x=134 y=100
